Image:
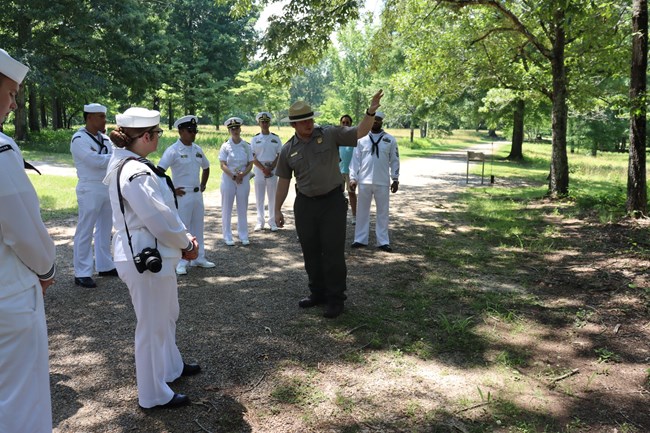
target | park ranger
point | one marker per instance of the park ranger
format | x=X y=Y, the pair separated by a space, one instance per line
x=27 y=256
x=320 y=208
x=186 y=160
x=375 y=162
x=266 y=149
x=91 y=150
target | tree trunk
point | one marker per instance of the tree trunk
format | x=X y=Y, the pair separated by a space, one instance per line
x=516 y=149
x=34 y=125
x=55 y=114
x=637 y=200
x=558 y=185
x=170 y=114
x=43 y=113
x=412 y=132
x=20 y=121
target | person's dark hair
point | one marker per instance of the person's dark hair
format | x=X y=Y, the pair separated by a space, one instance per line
x=2 y=77
x=348 y=116
x=85 y=116
x=124 y=137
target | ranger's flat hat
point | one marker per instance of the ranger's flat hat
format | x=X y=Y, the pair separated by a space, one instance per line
x=94 y=108
x=263 y=115
x=300 y=110
x=186 y=121
x=233 y=122
x=12 y=68
x=138 y=117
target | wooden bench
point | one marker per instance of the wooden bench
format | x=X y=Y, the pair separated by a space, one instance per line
x=476 y=156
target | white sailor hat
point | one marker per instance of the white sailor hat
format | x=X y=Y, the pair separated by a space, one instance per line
x=300 y=110
x=94 y=108
x=138 y=117
x=186 y=121
x=11 y=67
x=233 y=122
x=380 y=114
x=263 y=115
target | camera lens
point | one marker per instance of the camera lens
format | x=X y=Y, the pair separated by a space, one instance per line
x=154 y=264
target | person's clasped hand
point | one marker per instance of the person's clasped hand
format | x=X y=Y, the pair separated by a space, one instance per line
x=193 y=253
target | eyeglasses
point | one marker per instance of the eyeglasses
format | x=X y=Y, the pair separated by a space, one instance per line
x=158 y=131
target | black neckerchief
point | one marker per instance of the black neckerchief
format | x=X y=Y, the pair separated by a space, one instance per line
x=102 y=146
x=375 y=144
x=158 y=171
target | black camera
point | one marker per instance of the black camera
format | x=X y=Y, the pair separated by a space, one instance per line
x=148 y=260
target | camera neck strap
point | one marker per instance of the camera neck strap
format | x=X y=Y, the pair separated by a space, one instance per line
x=121 y=198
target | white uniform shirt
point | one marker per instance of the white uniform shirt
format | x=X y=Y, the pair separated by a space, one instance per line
x=236 y=155
x=149 y=210
x=26 y=250
x=265 y=149
x=367 y=167
x=90 y=155
x=185 y=162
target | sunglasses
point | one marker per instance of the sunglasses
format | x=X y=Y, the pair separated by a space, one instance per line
x=158 y=132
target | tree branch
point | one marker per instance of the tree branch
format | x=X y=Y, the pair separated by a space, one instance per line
x=507 y=13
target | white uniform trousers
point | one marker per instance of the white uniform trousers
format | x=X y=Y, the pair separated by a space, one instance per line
x=191 y=211
x=265 y=186
x=229 y=191
x=94 y=214
x=25 y=405
x=157 y=358
x=366 y=192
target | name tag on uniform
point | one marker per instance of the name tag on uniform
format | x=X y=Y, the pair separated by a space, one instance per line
x=293 y=154
x=183 y=156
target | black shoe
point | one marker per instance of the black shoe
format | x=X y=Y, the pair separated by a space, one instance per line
x=111 y=273
x=177 y=400
x=85 y=282
x=190 y=369
x=333 y=310
x=309 y=302
x=358 y=245
x=386 y=248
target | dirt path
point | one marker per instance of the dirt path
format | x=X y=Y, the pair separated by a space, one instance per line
x=270 y=367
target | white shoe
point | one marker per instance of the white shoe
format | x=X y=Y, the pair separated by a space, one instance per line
x=181 y=269
x=245 y=242
x=203 y=263
x=258 y=227
x=230 y=243
x=274 y=228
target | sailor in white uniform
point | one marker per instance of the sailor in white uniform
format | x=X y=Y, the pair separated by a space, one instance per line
x=236 y=159
x=187 y=161
x=27 y=257
x=91 y=150
x=375 y=162
x=266 y=148
x=149 y=240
